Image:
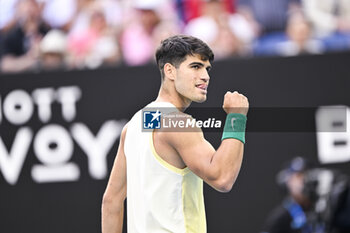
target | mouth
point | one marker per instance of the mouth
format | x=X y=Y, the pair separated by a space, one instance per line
x=203 y=87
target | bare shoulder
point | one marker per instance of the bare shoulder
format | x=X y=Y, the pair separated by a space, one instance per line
x=123 y=134
x=185 y=145
x=124 y=130
x=179 y=129
x=169 y=140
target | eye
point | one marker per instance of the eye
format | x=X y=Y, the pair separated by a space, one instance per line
x=208 y=69
x=196 y=67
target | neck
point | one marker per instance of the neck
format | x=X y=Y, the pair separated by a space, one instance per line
x=170 y=95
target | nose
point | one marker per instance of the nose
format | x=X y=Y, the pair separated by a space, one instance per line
x=205 y=76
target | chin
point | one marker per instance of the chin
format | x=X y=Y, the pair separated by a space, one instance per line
x=200 y=100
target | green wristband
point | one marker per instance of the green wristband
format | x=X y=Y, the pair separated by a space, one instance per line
x=235 y=127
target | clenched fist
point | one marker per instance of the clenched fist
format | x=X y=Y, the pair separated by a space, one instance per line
x=235 y=103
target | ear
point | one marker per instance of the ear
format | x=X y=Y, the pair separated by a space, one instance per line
x=169 y=71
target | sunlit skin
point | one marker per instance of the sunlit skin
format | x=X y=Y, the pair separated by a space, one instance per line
x=181 y=85
x=186 y=83
x=218 y=168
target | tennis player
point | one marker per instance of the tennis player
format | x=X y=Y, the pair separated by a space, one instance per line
x=161 y=173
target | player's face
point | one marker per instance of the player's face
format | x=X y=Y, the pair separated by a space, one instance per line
x=192 y=79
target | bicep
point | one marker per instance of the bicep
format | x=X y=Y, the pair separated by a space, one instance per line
x=196 y=152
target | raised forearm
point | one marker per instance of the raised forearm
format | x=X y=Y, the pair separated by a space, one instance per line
x=226 y=164
x=227 y=160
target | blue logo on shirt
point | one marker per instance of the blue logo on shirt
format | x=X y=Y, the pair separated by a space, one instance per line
x=151 y=119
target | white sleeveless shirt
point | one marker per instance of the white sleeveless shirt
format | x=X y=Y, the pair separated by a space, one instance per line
x=160 y=197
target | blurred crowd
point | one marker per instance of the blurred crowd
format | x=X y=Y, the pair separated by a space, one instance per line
x=78 y=34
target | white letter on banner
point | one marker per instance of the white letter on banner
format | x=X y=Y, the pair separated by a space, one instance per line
x=68 y=96
x=54 y=147
x=12 y=163
x=18 y=107
x=44 y=97
x=97 y=148
x=333 y=134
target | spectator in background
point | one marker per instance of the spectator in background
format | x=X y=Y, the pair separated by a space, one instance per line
x=164 y=29
x=188 y=9
x=290 y=216
x=114 y=12
x=137 y=36
x=191 y=9
x=7 y=14
x=331 y=20
x=95 y=45
x=21 y=42
x=270 y=15
x=112 y=9
x=143 y=33
x=7 y=20
x=328 y=16
x=227 y=34
x=58 y=13
x=318 y=201
x=299 y=38
x=53 y=51
x=81 y=18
